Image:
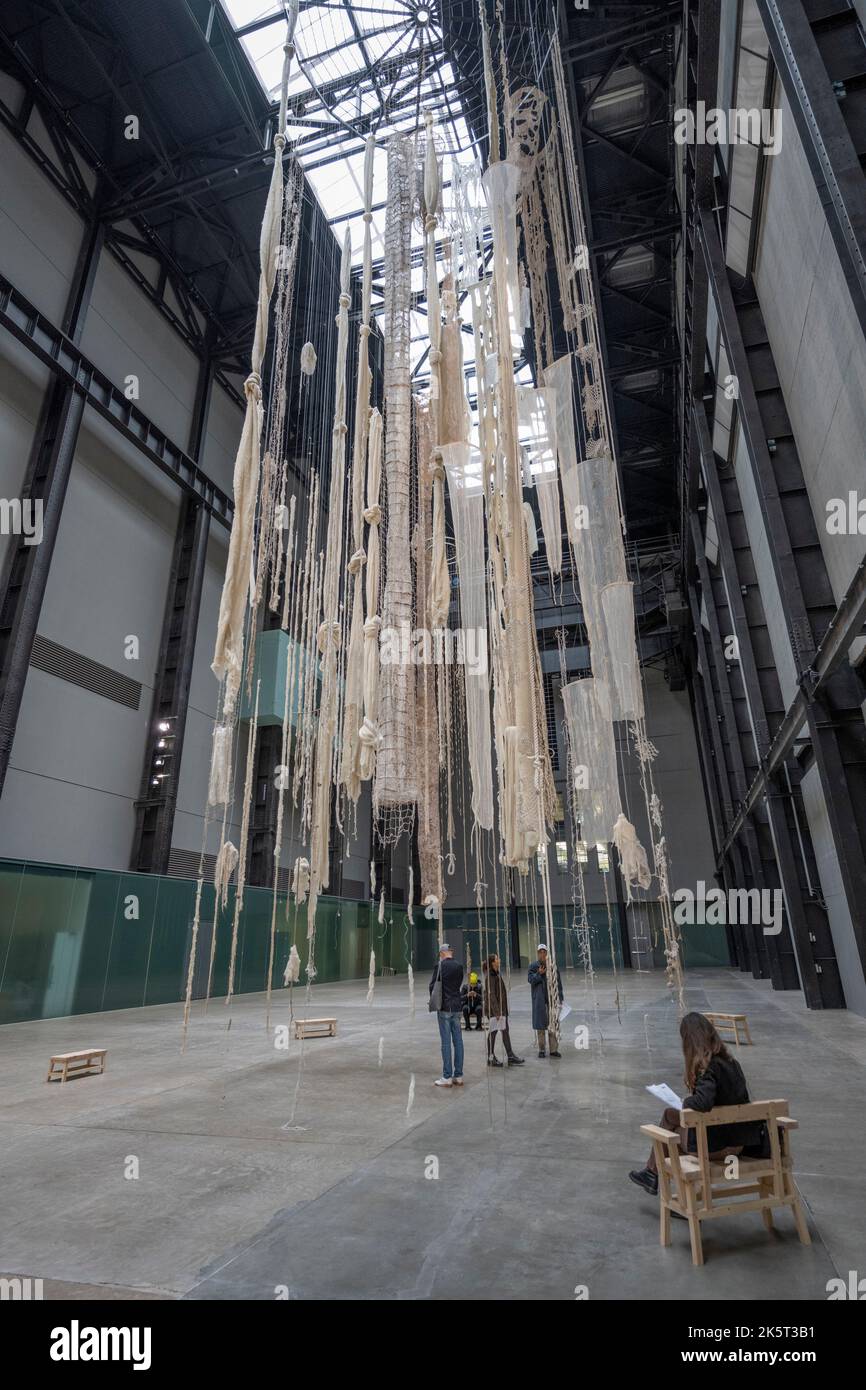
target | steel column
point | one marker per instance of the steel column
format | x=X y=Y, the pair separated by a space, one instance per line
x=25 y=575
x=155 y=809
x=765 y=949
x=834 y=713
x=777 y=819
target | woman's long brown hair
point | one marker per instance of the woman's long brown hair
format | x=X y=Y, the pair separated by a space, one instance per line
x=701 y=1043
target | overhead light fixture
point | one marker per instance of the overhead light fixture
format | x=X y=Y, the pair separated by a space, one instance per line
x=422 y=15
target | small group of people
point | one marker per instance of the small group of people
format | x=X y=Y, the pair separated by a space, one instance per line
x=452 y=999
x=713 y=1078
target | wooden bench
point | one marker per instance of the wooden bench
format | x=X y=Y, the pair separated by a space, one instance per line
x=695 y=1188
x=315 y=1028
x=728 y=1026
x=88 y=1062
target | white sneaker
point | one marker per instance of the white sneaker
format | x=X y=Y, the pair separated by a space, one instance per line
x=458 y=1080
x=443 y=1081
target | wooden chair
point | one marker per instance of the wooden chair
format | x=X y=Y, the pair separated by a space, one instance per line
x=695 y=1188
x=728 y=1027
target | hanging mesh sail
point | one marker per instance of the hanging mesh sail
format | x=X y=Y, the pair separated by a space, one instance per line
x=466 y=491
x=501 y=184
x=537 y=414
x=394 y=792
x=558 y=377
x=626 y=691
x=593 y=758
x=329 y=634
x=598 y=549
x=429 y=824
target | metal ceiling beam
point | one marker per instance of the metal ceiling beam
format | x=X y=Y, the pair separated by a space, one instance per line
x=60 y=354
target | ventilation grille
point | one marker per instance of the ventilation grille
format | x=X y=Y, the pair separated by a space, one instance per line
x=354 y=888
x=79 y=670
x=183 y=863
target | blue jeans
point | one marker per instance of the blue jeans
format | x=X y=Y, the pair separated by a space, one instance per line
x=451 y=1035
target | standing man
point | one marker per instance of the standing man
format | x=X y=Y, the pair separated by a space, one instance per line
x=545 y=1012
x=447 y=979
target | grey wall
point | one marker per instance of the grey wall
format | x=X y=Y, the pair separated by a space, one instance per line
x=677 y=779
x=817 y=343
x=77 y=757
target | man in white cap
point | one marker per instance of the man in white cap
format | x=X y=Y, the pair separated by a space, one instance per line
x=545 y=1005
x=446 y=1001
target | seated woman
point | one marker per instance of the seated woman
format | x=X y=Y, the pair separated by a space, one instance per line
x=713 y=1078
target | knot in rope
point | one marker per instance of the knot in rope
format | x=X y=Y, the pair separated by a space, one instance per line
x=438 y=473
x=326 y=631
x=372 y=627
x=373 y=515
x=279 y=142
x=358 y=559
x=345 y=301
x=430 y=223
x=435 y=357
x=253 y=387
x=365 y=330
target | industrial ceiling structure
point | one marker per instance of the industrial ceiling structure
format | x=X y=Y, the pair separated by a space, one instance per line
x=180 y=204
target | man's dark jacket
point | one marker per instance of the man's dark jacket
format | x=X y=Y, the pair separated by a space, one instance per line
x=452 y=979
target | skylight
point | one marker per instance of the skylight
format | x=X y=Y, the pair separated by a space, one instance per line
x=372 y=67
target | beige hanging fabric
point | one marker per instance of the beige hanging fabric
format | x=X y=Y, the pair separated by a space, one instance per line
x=537 y=415
x=394 y=791
x=598 y=548
x=219 y=784
x=501 y=185
x=626 y=691
x=558 y=377
x=439 y=595
x=592 y=753
x=368 y=733
x=429 y=821
x=226 y=863
x=228 y=656
x=466 y=490
x=632 y=856
x=329 y=629
x=353 y=702
x=526 y=790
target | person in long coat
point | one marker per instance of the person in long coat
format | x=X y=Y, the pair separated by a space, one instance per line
x=542 y=1021
x=496 y=1011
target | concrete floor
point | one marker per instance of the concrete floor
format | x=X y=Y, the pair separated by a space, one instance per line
x=300 y=1171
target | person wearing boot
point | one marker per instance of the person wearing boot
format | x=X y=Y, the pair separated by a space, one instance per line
x=496 y=1012
x=714 y=1079
x=544 y=1019
x=471 y=996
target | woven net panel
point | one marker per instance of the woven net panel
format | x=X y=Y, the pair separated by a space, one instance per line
x=593 y=758
x=591 y=494
x=537 y=416
x=429 y=827
x=394 y=787
x=626 y=692
x=463 y=469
